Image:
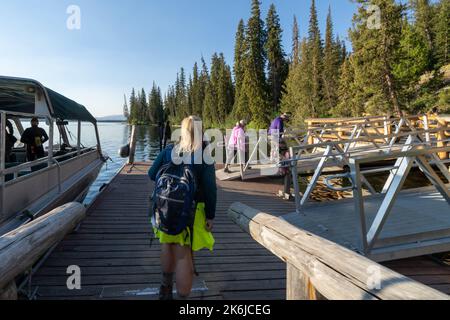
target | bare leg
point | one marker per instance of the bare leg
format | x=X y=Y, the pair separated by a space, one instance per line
x=168 y=268
x=184 y=270
x=168 y=258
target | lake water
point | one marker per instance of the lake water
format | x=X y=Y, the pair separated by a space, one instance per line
x=112 y=137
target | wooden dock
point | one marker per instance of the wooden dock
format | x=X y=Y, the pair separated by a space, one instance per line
x=112 y=248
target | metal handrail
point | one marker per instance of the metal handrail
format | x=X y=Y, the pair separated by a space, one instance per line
x=28 y=165
x=287 y=162
x=365 y=139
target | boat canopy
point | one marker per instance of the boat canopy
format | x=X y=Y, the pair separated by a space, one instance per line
x=26 y=96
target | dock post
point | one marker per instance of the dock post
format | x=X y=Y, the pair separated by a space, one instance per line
x=79 y=138
x=299 y=286
x=441 y=137
x=132 y=145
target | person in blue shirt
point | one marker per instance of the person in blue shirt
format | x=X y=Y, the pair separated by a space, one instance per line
x=177 y=251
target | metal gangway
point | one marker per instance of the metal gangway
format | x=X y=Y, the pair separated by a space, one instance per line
x=421 y=149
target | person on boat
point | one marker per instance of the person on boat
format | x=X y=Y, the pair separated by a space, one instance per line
x=177 y=250
x=34 y=138
x=167 y=134
x=236 y=145
x=10 y=141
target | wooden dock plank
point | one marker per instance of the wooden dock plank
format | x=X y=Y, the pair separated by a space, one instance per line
x=112 y=248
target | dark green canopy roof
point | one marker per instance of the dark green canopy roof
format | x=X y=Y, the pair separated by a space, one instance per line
x=66 y=109
x=18 y=95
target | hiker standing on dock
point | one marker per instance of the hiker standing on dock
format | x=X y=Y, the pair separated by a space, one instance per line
x=236 y=146
x=34 y=138
x=276 y=132
x=184 y=208
x=278 y=125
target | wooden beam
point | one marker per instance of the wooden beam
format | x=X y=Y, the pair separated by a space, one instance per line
x=335 y=272
x=23 y=247
x=9 y=292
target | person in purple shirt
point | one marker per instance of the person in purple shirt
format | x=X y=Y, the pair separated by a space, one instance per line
x=276 y=132
x=277 y=125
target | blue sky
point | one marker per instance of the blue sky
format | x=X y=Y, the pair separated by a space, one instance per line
x=131 y=43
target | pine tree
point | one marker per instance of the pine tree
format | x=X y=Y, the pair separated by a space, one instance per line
x=277 y=65
x=196 y=95
x=423 y=15
x=442 y=33
x=240 y=50
x=297 y=99
x=160 y=107
x=181 y=95
x=253 y=95
x=331 y=64
x=412 y=62
x=143 y=108
x=374 y=53
x=315 y=54
x=351 y=102
x=170 y=104
x=209 y=104
x=133 y=107
x=126 y=112
x=225 y=90
x=295 y=55
x=155 y=105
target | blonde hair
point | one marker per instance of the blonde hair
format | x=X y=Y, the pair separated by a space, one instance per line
x=191 y=134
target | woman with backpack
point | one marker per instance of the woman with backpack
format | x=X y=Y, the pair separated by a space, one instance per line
x=175 y=183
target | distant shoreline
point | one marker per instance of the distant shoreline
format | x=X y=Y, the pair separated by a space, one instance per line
x=112 y=121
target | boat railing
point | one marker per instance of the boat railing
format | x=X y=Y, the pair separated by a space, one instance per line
x=319 y=269
x=54 y=160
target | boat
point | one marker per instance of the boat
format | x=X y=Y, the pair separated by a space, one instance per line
x=28 y=190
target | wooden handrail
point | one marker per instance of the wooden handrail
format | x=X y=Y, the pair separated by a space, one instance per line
x=22 y=248
x=319 y=268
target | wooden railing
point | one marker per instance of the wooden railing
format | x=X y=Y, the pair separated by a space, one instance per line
x=320 y=269
x=23 y=247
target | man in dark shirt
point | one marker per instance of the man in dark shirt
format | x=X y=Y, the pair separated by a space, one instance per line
x=34 y=138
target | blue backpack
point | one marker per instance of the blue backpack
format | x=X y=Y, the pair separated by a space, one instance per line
x=174 y=198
